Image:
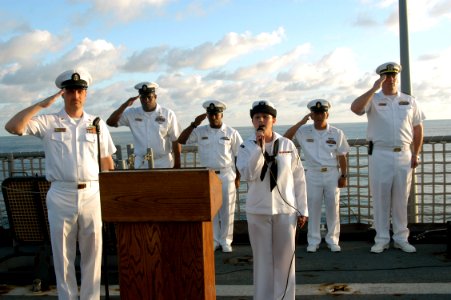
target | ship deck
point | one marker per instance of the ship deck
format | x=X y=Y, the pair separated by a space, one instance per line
x=354 y=273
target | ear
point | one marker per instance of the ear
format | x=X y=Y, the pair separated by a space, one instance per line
x=274 y=120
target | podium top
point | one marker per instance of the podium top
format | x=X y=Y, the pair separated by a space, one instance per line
x=160 y=195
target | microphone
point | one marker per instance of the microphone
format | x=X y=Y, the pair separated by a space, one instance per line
x=96 y=123
x=260 y=135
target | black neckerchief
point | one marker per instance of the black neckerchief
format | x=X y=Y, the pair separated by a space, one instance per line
x=273 y=169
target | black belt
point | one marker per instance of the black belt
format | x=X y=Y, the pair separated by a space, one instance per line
x=81 y=186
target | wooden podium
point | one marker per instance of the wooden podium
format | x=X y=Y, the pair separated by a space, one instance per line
x=164 y=231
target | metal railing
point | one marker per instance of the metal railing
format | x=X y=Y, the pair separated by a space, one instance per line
x=430 y=200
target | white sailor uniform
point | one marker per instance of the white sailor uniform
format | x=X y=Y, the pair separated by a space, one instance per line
x=390 y=127
x=272 y=215
x=157 y=130
x=73 y=200
x=217 y=150
x=320 y=149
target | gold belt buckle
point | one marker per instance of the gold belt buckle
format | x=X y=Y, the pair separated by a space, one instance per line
x=323 y=169
x=397 y=149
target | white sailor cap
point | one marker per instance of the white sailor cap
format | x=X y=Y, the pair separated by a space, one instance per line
x=146 y=87
x=263 y=106
x=389 y=67
x=214 y=106
x=318 y=105
x=78 y=77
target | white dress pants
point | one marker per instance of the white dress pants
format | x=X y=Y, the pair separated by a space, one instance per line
x=390 y=180
x=323 y=186
x=223 y=221
x=76 y=215
x=272 y=239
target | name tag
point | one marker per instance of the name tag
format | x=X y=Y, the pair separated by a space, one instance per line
x=285 y=152
x=309 y=140
x=382 y=104
x=204 y=138
x=138 y=119
x=333 y=142
x=60 y=130
x=404 y=103
x=225 y=138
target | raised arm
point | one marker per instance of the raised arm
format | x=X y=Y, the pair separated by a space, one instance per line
x=16 y=125
x=359 y=104
x=289 y=134
x=183 y=137
x=116 y=115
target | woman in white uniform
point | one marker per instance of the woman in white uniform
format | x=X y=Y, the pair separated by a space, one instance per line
x=276 y=201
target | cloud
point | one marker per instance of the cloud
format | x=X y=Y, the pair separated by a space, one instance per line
x=269 y=66
x=96 y=56
x=126 y=10
x=202 y=57
x=29 y=47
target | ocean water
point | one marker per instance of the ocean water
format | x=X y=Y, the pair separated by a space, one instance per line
x=12 y=143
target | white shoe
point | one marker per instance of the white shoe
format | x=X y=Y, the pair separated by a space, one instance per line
x=312 y=248
x=334 y=247
x=226 y=248
x=405 y=246
x=379 y=247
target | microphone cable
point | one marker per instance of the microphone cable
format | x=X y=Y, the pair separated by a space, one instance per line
x=298 y=158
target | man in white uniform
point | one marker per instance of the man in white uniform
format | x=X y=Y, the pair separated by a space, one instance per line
x=325 y=148
x=153 y=127
x=70 y=139
x=218 y=145
x=395 y=135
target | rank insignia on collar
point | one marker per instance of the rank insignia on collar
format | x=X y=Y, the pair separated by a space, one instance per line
x=160 y=119
x=204 y=138
x=60 y=130
x=310 y=140
x=138 y=119
x=333 y=142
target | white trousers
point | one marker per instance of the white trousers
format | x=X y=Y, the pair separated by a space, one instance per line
x=323 y=186
x=223 y=221
x=272 y=240
x=390 y=180
x=76 y=215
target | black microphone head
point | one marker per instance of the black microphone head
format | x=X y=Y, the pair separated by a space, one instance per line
x=261 y=128
x=96 y=121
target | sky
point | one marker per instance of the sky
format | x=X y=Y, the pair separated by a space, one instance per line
x=285 y=51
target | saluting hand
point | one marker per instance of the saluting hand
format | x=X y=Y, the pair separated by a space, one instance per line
x=378 y=83
x=131 y=100
x=199 y=119
x=50 y=100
